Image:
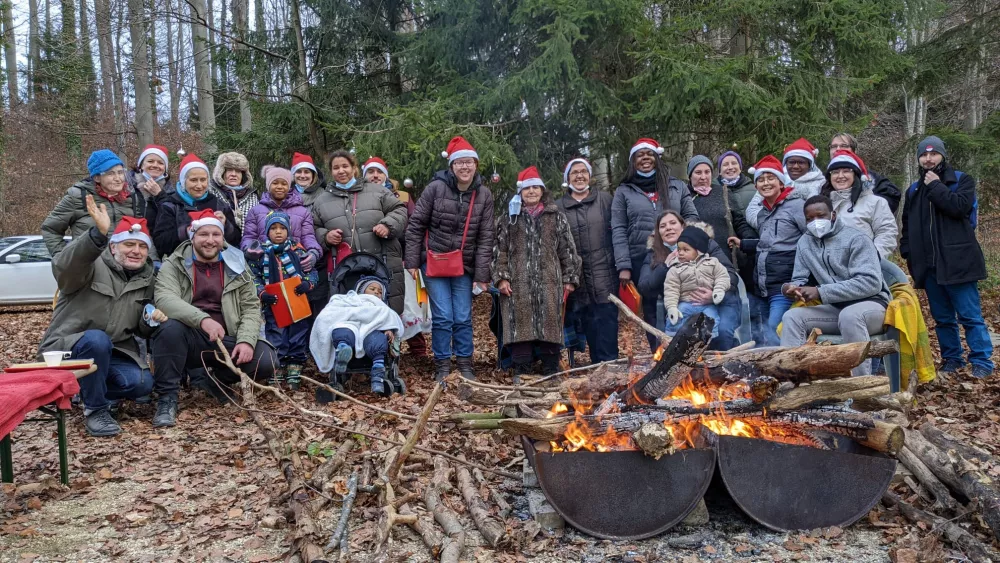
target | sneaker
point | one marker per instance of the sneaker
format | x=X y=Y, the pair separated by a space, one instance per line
x=166 y=412
x=465 y=368
x=378 y=381
x=101 y=424
x=951 y=366
x=442 y=369
x=981 y=372
x=294 y=376
x=276 y=378
x=340 y=360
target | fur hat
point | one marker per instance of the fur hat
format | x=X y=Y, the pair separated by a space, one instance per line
x=232 y=161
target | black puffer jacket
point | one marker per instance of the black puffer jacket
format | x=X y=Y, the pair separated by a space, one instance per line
x=633 y=216
x=172 y=221
x=440 y=212
x=883 y=187
x=590 y=223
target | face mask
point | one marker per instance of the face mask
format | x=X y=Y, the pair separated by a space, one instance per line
x=148 y=177
x=820 y=227
x=514 y=207
x=346 y=186
x=301 y=189
x=649 y=174
x=730 y=182
x=672 y=247
x=580 y=190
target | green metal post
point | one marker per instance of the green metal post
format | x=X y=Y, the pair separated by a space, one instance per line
x=6 y=461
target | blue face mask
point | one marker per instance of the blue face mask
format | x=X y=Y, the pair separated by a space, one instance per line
x=514 y=207
x=346 y=186
x=649 y=174
x=300 y=189
x=672 y=247
x=148 y=177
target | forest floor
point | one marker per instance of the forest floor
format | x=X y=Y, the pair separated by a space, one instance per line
x=208 y=489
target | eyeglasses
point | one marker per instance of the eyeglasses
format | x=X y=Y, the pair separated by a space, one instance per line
x=464 y=163
x=114 y=172
x=841 y=172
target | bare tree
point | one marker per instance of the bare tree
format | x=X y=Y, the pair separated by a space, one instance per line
x=10 y=52
x=240 y=10
x=153 y=70
x=203 y=71
x=34 y=54
x=302 y=78
x=173 y=74
x=85 y=49
x=140 y=71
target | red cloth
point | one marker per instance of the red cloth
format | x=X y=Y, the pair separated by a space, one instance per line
x=21 y=393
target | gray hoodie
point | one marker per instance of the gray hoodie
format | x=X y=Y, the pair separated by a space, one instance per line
x=844 y=264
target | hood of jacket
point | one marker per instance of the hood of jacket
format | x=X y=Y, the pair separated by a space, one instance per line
x=232 y=258
x=293 y=199
x=232 y=161
x=811 y=182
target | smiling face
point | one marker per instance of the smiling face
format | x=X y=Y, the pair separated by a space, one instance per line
x=207 y=243
x=278 y=189
x=153 y=165
x=112 y=181
x=464 y=169
x=232 y=177
x=374 y=175
x=686 y=252
x=645 y=160
x=929 y=160
x=842 y=179
x=701 y=176
x=304 y=177
x=196 y=183
x=579 y=177
x=670 y=228
x=768 y=186
x=342 y=170
x=730 y=167
x=130 y=254
x=797 y=167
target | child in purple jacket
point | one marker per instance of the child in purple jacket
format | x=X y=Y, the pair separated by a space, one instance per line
x=281 y=197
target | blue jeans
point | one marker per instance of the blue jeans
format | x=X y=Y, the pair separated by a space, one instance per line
x=730 y=317
x=117 y=375
x=690 y=309
x=451 y=316
x=954 y=304
x=767 y=313
x=598 y=323
x=290 y=342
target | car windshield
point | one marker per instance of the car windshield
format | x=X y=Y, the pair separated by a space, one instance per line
x=8 y=242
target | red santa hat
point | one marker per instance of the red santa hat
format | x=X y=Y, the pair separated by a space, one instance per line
x=645 y=143
x=300 y=160
x=803 y=148
x=189 y=163
x=377 y=163
x=203 y=218
x=847 y=159
x=154 y=149
x=529 y=177
x=769 y=164
x=130 y=228
x=458 y=147
x=579 y=159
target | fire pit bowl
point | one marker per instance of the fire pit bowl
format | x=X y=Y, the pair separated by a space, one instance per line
x=789 y=487
x=622 y=495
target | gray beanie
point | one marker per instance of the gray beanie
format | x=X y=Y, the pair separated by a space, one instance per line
x=931 y=144
x=698 y=159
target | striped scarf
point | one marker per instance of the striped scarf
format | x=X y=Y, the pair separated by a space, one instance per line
x=283 y=254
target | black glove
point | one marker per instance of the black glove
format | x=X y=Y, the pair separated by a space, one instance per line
x=302 y=288
x=268 y=299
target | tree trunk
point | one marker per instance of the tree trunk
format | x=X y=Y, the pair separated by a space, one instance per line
x=209 y=14
x=10 y=54
x=87 y=54
x=154 y=73
x=102 y=20
x=203 y=73
x=140 y=66
x=120 y=128
x=34 y=51
x=240 y=11
x=302 y=78
x=173 y=74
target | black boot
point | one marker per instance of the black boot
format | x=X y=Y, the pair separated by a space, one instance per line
x=550 y=363
x=166 y=412
x=442 y=369
x=465 y=368
x=519 y=370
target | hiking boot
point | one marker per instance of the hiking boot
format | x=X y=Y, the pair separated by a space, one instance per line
x=101 y=424
x=951 y=366
x=981 y=372
x=294 y=376
x=378 y=381
x=341 y=357
x=277 y=377
x=442 y=369
x=166 y=412
x=519 y=370
x=465 y=368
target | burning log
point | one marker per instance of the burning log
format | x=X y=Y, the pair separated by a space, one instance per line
x=655 y=440
x=832 y=391
x=675 y=363
x=803 y=363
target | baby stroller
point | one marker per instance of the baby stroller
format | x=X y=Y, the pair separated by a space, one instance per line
x=344 y=278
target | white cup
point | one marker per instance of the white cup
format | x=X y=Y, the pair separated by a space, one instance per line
x=54 y=359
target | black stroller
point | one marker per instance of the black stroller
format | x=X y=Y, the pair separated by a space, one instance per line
x=345 y=276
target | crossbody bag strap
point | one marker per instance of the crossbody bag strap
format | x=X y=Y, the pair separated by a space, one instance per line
x=468 y=219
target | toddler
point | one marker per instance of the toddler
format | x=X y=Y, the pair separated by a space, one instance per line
x=691 y=268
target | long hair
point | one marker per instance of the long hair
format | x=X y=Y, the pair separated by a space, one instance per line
x=856 y=188
x=662 y=176
x=343 y=154
x=661 y=252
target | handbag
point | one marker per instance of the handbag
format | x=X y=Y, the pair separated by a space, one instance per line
x=448 y=264
x=630 y=296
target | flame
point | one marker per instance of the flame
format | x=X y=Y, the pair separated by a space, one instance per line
x=556 y=410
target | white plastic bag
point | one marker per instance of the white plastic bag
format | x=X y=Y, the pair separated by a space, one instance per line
x=416 y=318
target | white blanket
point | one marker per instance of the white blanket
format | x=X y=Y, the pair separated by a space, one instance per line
x=361 y=314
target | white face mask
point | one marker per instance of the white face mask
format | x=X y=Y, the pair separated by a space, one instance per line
x=820 y=227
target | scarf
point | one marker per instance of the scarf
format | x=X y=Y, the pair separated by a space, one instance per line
x=536 y=210
x=188 y=198
x=703 y=190
x=119 y=197
x=346 y=186
x=647 y=184
x=283 y=254
x=730 y=182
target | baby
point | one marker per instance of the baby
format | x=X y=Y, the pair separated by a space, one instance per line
x=691 y=268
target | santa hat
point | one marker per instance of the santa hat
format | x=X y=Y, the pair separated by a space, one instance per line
x=802 y=148
x=847 y=159
x=203 y=218
x=377 y=163
x=130 y=228
x=458 y=147
x=580 y=160
x=768 y=164
x=529 y=177
x=154 y=149
x=190 y=162
x=300 y=160
x=645 y=143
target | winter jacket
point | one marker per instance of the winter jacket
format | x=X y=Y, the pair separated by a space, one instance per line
x=241 y=202
x=355 y=212
x=275 y=272
x=870 y=215
x=310 y=194
x=173 y=220
x=70 y=214
x=633 y=216
x=712 y=209
x=440 y=214
x=653 y=275
x=536 y=255
x=808 y=185
x=135 y=180
x=780 y=229
x=683 y=278
x=937 y=236
x=254 y=227
x=844 y=266
x=96 y=293
x=884 y=188
x=590 y=223
x=240 y=305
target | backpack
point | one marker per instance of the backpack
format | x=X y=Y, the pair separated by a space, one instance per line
x=973 y=214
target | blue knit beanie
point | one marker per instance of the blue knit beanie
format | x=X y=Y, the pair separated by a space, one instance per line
x=101 y=161
x=277 y=217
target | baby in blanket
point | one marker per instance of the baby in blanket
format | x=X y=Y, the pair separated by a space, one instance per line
x=357 y=324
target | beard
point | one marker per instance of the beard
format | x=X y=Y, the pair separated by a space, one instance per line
x=207 y=252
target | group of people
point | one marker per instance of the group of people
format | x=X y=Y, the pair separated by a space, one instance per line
x=187 y=264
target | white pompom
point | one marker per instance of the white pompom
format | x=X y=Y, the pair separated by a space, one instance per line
x=444 y=154
x=565 y=185
x=520 y=183
x=407 y=183
x=135 y=228
x=751 y=171
x=659 y=150
x=815 y=152
x=866 y=178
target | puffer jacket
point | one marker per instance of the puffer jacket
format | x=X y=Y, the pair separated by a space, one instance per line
x=440 y=215
x=741 y=193
x=870 y=215
x=885 y=189
x=355 y=212
x=844 y=265
x=70 y=214
x=310 y=194
x=243 y=201
x=254 y=229
x=590 y=223
x=651 y=280
x=536 y=255
x=240 y=305
x=633 y=216
x=780 y=230
x=683 y=278
x=808 y=185
x=173 y=220
x=96 y=293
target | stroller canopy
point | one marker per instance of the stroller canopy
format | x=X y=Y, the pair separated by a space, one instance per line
x=353 y=267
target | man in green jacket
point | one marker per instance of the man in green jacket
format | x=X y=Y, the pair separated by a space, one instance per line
x=206 y=290
x=105 y=287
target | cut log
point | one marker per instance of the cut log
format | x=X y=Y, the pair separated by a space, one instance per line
x=320 y=478
x=935 y=460
x=832 y=391
x=491 y=528
x=979 y=486
x=655 y=440
x=675 y=362
x=961 y=539
x=948 y=442
x=803 y=363
x=884 y=437
x=451 y=552
x=942 y=498
x=425 y=529
x=763 y=388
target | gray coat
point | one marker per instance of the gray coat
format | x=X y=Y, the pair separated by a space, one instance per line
x=70 y=214
x=780 y=229
x=633 y=216
x=590 y=222
x=844 y=265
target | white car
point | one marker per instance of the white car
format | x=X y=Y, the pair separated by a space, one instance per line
x=25 y=271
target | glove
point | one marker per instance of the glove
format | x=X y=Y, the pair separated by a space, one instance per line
x=308 y=262
x=254 y=252
x=302 y=288
x=718 y=296
x=268 y=299
x=674 y=315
